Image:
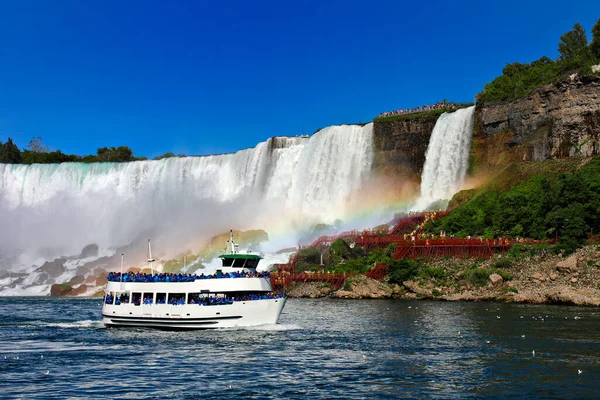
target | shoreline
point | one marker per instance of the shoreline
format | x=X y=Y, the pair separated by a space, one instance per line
x=537 y=279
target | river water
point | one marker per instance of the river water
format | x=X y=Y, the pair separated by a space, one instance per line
x=324 y=348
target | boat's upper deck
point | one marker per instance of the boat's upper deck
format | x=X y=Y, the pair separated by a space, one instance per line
x=213 y=285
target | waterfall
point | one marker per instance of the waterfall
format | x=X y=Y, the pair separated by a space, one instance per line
x=447 y=157
x=284 y=183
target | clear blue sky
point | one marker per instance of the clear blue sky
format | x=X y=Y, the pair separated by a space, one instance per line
x=201 y=77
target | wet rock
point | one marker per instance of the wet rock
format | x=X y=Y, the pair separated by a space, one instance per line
x=60 y=289
x=91 y=250
x=54 y=268
x=495 y=279
x=76 y=280
x=78 y=291
x=101 y=280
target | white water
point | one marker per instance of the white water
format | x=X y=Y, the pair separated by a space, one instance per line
x=447 y=157
x=281 y=185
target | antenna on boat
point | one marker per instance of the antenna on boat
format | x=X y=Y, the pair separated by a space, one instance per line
x=122 y=267
x=150 y=259
x=231 y=241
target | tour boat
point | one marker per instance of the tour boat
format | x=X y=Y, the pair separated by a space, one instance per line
x=235 y=296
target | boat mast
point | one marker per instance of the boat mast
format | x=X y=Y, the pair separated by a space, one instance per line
x=150 y=259
x=121 y=286
x=231 y=241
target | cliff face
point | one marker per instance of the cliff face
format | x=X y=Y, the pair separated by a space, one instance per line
x=400 y=147
x=555 y=121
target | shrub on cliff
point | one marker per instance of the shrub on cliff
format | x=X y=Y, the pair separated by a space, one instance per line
x=517 y=80
x=540 y=207
x=403 y=270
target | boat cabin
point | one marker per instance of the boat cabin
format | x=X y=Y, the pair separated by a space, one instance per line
x=237 y=262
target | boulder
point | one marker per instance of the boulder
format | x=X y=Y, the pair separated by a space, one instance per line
x=578 y=297
x=362 y=287
x=54 y=268
x=553 y=276
x=60 y=289
x=495 y=279
x=538 y=277
x=568 y=265
x=101 y=280
x=78 y=291
x=91 y=250
x=574 y=280
x=309 y=290
x=77 y=279
x=414 y=287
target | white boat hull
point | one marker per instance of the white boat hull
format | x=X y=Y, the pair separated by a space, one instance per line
x=194 y=316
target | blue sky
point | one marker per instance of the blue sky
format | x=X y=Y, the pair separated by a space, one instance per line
x=202 y=77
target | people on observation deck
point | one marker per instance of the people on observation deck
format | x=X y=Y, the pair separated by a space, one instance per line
x=431 y=107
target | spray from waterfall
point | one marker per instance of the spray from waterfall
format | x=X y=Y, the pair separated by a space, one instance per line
x=447 y=157
x=281 y=185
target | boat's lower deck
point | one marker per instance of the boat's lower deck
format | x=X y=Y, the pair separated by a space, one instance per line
x=194 y=316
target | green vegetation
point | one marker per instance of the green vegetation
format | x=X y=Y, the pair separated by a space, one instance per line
x=403 y=270
x=38 y=153
x=517 y=80
x=9 y=153
x=341 y=258
x=480 y=276
x=541 y=206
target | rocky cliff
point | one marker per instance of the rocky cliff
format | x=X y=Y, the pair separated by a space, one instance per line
x=400 y=145
x=557 y=120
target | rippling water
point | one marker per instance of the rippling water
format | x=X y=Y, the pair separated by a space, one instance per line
x=321 y=349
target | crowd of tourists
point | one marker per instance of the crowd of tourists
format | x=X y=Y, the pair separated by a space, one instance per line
x=169 y=277
x=179 y=300
x=431 y=107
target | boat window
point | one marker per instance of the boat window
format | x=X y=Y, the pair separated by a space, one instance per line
x=251 y=263
x=193 y=298
x=176 y=299
x=136 y=299
x=109 y=298
x=161 y=298
x=122 y=298
x=227 y=262
x=148 y=298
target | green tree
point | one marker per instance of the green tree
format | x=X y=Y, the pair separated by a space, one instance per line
x=595 y=45
x=112 y=154
x=166 y=155
x=9 y=153
x=572 y=43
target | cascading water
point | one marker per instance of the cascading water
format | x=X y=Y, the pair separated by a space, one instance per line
x=52 y=210
x=447 y=157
